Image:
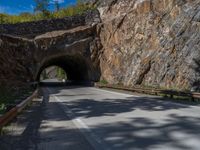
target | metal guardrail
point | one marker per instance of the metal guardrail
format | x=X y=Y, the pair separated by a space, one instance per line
x=196 y=95
x=153 y=91
x=11 y=114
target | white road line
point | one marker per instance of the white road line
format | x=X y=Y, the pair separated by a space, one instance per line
x=92 y=138
x=150 y=98
x=113 y=92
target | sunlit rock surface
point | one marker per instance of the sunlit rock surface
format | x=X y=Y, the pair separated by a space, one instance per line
x=131 y=42
x=151 y=42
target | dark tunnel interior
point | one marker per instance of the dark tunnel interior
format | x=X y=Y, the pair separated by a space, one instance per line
x=76 y=67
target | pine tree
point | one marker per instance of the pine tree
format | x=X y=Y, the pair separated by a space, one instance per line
x=57 y=6
x=42 y=6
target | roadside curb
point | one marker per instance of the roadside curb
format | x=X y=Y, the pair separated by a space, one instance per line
x=11 y=114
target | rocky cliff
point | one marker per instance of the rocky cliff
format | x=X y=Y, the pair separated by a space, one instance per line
x=26 y=49
x=132 y=42
x=150 y=42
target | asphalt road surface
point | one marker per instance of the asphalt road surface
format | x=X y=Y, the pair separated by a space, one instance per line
x=87 y=118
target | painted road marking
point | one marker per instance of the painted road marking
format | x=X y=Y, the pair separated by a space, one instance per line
x=113 y=92
x=92 y=138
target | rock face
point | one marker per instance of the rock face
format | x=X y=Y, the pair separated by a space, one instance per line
x=150 y=42
x=131 y=42
x=73 y=46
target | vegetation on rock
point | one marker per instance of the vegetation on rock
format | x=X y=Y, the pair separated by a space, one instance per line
x=53 y=72
x=12 y=96
x=42 y=12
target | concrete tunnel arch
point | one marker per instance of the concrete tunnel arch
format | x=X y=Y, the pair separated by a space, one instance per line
x=75 y=66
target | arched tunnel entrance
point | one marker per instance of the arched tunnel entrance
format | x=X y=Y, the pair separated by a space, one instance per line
x=77 y=68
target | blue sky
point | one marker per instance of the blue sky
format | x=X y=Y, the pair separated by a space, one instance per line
x=15 y=7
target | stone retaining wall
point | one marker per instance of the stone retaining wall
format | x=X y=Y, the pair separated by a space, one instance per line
x=32 y=29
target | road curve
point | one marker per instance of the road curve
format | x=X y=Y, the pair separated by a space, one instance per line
x=87 y=118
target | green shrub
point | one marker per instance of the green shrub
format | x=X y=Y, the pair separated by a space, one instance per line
x=9 y=95
x=6 y=97
x=2 y=108
x=103 y=81
x=61 y=74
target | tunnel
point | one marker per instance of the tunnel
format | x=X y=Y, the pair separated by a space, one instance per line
x=76 y=67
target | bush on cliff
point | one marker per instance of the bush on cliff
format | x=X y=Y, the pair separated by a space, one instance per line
x=9 y=97
x=79 y=8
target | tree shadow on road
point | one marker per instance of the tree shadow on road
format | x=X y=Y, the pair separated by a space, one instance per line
x=108 y=107
x=139 y=132
x=31 y=120
x=180 y=132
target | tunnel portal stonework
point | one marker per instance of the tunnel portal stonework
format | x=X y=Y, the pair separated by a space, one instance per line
x=71 y=43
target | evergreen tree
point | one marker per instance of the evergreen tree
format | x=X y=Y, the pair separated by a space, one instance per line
x=42 y=6
x=57 y=6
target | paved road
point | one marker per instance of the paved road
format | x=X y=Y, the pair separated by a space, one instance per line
x=86 y=118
